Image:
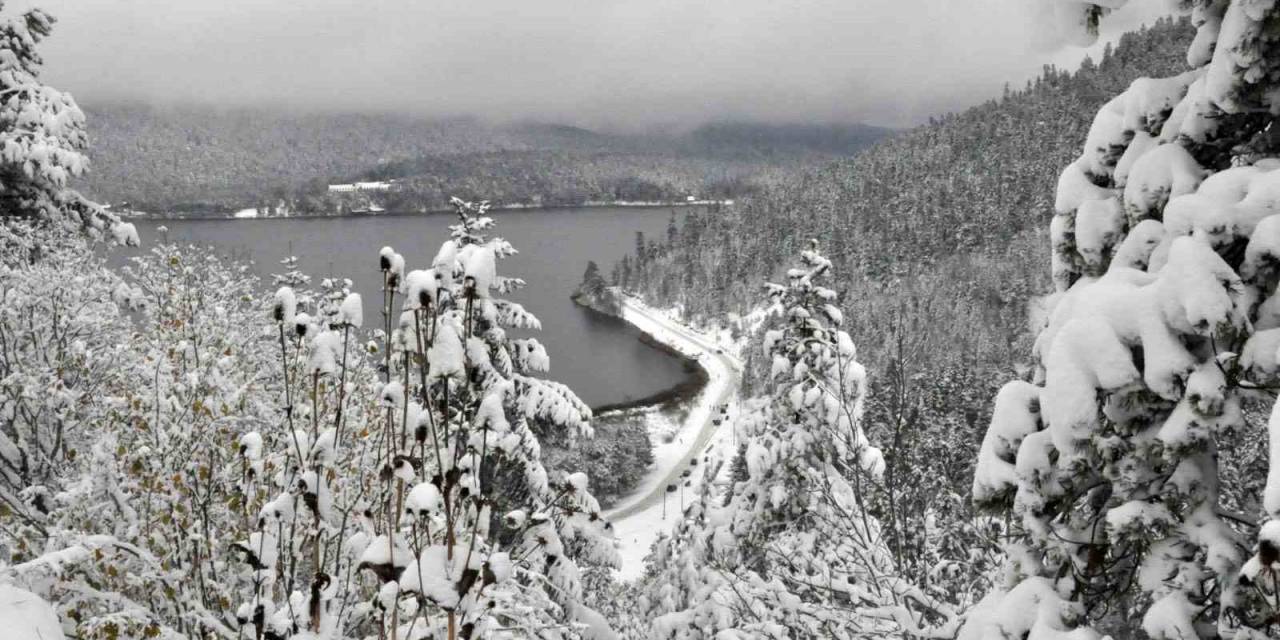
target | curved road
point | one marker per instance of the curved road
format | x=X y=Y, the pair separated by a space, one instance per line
x=728 y=382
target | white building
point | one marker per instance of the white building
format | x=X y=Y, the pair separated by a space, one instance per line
x=360 y=186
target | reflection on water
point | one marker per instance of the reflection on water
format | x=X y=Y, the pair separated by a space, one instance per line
x=602 y=360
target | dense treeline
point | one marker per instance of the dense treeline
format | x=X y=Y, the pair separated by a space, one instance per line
x=938 y=234
x=554 y=177
x=207 y=160
x=219 y=159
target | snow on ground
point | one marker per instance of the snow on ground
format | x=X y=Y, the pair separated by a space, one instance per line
x=25 y=616
x=639 y=518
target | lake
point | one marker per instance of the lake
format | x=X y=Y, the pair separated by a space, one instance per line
x=600 y=358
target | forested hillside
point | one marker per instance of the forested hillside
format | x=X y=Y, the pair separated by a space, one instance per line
x=938 y=235
x=194 y=157
x=207 y=160
x=944 y=200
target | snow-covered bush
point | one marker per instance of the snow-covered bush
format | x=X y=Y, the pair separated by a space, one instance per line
x=427 y=512
x=124 y=397
x=62 y=333
x=1165 y=246
x=183 y=458
x=789 y=551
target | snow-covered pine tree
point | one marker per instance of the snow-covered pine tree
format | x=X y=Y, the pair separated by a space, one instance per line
x=790 y=551
x=1162 y=331
x=42 y=137
x=459 y=532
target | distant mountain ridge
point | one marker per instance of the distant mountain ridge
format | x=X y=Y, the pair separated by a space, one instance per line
x=200 y=158
x=834 y=138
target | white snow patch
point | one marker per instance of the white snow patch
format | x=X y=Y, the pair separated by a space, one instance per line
x=26 y=616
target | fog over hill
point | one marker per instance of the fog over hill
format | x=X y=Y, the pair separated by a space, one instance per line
x=204 y=158
x=617 y=65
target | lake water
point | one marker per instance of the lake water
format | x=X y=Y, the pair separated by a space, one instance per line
x=602 y=359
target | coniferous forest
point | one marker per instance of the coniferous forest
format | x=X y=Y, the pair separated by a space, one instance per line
x=195 y=161
x=939 y=235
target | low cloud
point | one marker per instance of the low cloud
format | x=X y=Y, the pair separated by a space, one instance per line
x=603 y=63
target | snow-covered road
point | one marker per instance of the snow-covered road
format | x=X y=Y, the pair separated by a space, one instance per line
x=639 y=518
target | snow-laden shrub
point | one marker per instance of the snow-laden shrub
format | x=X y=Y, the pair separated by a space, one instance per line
x=190 y=458
x=427 y=513
x=1165 y=247
x=62 y=334
x=789 y=550
x=124 y=400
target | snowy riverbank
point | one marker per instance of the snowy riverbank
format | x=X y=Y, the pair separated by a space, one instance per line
x=640 y=517
x=256 y=213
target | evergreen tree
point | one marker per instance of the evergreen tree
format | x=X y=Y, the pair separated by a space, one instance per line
x=1159 y=338
x=596 y=291
x=43 y=137
x=627 y=273
x=592 y=282
x=790 y=550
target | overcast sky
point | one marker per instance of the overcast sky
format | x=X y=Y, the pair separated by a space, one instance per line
x=602 y=63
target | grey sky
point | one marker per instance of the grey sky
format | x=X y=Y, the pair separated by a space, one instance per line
x=605 y=63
